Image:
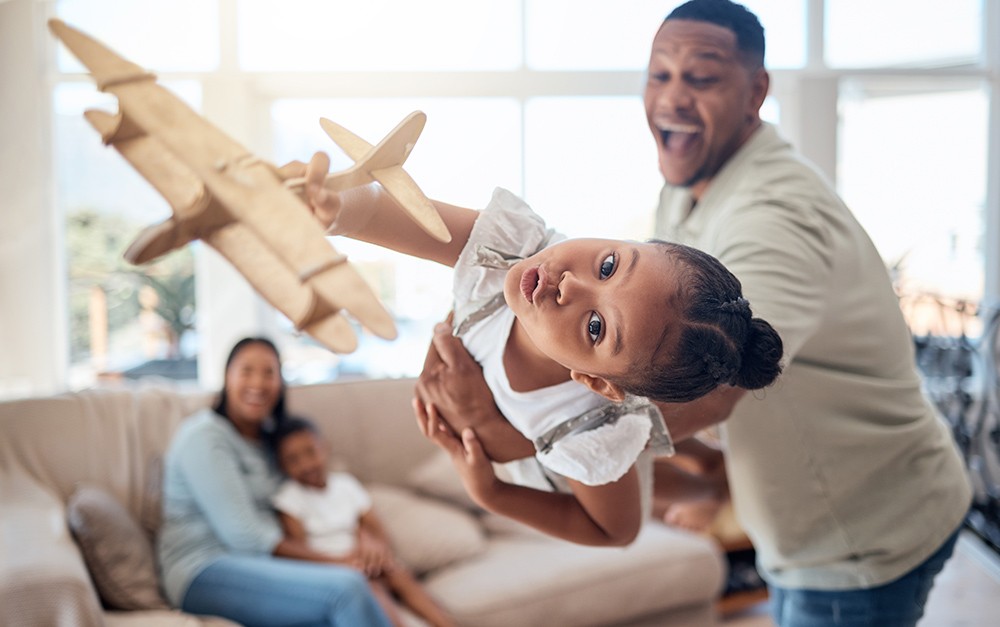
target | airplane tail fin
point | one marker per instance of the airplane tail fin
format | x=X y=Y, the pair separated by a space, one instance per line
x=107 y=66
x=391 y=151
x=154 y=241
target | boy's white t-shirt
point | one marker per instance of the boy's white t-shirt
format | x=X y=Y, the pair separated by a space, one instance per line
x=330 y=515
x=507 y=228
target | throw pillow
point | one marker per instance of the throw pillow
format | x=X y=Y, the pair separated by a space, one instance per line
x=426 y=534
x=437 y=477
x=115 y=549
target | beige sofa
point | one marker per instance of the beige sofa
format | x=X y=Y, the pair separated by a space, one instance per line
x=488 y=571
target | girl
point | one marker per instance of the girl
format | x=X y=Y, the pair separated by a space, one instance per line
x=332 y=513
x=573 y=337
x=220 y=548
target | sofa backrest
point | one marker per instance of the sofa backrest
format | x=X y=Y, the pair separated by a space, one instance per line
x=368 y=424
x=116 y=438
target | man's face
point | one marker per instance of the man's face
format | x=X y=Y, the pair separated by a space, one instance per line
x=702 y=100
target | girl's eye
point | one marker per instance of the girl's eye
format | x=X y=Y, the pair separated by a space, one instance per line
x=608 y=266
x=594 y=327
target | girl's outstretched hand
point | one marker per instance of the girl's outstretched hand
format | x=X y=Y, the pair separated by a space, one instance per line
x=466 y=453
x=323 y=203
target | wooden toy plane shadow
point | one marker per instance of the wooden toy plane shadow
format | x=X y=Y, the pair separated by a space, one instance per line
x=238 y=204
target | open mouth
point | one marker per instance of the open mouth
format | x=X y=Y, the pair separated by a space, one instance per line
x=678 y=137
x=529 y=283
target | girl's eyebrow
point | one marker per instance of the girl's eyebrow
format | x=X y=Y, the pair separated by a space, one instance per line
x=627 y=273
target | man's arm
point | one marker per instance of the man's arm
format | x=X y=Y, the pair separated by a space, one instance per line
x=683 y=420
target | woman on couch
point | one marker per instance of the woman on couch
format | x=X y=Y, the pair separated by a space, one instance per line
x=221 y=549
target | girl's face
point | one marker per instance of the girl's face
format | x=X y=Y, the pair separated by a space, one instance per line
x=302 y=457
x=595 y=306
x=253 y=385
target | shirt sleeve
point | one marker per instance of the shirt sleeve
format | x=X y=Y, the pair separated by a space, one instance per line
x=219 y=486
x=602 y=455
x=783 y=256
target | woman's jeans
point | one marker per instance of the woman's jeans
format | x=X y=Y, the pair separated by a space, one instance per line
x=899 y=603
x=269 y=591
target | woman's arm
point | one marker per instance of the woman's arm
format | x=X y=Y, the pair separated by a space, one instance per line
x=208 y=467
x=605 y=515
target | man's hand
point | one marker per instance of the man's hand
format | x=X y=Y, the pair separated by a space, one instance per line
x=323 y=204
x=452 y=386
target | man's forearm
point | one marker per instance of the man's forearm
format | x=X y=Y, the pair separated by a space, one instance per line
x=683 y=420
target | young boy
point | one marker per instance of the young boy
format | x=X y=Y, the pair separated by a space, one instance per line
x=333 y=513
x=542 y=315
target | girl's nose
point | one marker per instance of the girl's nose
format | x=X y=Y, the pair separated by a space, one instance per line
x=569 y=288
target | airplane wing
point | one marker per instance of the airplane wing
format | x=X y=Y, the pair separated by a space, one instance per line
x=265 y=272
x=183 y=191
x=384 y=163
x=237 y=188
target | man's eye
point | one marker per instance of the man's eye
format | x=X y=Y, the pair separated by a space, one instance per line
x=608 y=266
x=702 y=81
x=594 y=327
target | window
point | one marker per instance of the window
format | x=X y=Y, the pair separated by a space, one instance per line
x=542 y=97
x=121 y=317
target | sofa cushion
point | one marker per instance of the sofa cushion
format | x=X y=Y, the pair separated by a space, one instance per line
x=115 y=549
x=426 y=534
x=436 y=477
x=530 y=580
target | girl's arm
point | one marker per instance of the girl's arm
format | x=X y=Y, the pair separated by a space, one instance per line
x=295 y=544
x=370 y=214
x=605 y=515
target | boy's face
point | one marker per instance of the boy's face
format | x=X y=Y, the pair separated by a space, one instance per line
x=595 y=306
x=302 y=457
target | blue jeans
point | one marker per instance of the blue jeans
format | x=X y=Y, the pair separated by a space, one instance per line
x=899 y=603
x=265 y=591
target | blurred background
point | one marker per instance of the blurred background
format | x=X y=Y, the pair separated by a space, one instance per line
x=896 y=100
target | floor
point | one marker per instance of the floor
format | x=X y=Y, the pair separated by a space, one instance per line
x=965 y=594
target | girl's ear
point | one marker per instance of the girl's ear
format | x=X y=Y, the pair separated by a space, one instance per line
x=602 y=386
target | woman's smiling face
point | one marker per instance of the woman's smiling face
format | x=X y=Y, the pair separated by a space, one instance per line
x=595 y=306
x=253 y=384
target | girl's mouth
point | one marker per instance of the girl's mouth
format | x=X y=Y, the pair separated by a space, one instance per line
x=529 y=283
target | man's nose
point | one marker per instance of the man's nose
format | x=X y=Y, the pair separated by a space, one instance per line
x=674 y=95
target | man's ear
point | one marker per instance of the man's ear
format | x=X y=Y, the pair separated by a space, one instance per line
x=760 y=84
x=602 y=386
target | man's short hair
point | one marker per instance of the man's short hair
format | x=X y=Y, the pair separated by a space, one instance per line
x=732 y=16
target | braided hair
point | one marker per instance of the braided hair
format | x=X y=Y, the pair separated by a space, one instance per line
x=714 y=339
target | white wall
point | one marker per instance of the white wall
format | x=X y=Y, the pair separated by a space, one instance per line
x=32 y=318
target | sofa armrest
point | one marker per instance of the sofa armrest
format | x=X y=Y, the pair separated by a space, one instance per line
x=43 y=580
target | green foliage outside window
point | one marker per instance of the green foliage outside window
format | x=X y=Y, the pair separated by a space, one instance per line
x=95 y=242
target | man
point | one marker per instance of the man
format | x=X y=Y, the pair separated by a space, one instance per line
x=841 y=474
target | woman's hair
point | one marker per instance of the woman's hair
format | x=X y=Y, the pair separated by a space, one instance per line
x=278 y=413
x=713 y=340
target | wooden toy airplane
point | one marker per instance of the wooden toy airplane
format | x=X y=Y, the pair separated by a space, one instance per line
x=237 y=203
